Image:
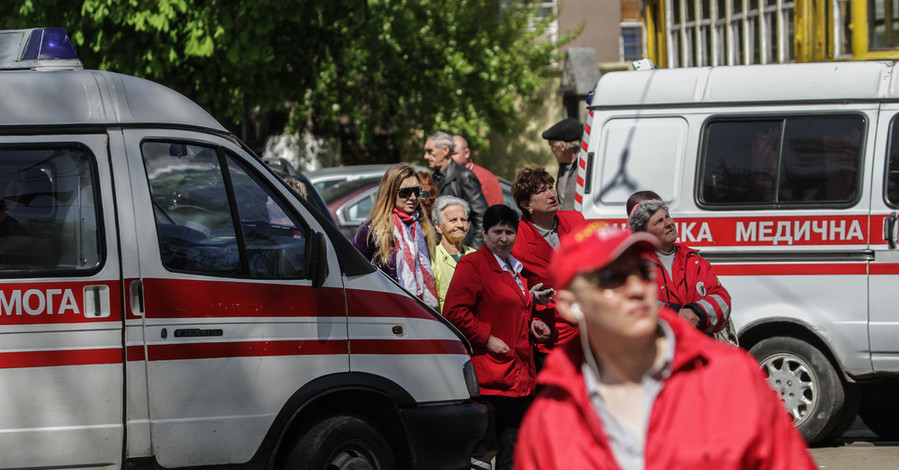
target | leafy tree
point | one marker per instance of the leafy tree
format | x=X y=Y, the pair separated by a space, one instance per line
x=378 y=75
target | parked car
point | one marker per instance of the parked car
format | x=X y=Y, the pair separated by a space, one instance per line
x=350 y=192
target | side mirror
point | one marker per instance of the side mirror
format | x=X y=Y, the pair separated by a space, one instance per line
x=318 y=259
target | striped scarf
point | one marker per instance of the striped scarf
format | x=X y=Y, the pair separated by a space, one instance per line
x=413 y=263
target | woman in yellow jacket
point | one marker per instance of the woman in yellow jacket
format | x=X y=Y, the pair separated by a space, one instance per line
x=450 y=218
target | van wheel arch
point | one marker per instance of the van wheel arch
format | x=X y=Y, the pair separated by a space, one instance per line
x=373 y=399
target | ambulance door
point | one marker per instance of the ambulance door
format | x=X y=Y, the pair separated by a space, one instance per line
x=60 y=305
x=232 y=323
x=884 y=269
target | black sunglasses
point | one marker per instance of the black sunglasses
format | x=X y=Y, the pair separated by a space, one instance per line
x=614 y=277
x=408 y=191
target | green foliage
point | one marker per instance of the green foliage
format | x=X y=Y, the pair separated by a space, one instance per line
x=397 y=67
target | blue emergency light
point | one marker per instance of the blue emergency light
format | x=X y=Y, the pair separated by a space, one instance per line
x=37 y=49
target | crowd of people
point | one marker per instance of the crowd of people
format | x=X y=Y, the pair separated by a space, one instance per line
x=619 y=324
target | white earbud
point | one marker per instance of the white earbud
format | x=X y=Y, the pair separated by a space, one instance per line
x=577 y=312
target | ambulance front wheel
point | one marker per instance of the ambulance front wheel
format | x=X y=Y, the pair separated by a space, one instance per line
x=341 y=442
x=807 y=383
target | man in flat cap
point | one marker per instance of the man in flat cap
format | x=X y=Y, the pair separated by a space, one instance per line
x=564 y=140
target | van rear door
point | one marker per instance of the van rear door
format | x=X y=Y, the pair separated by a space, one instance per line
x=61 y=373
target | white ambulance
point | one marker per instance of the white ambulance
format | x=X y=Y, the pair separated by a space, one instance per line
x=166 y=301
x=786 y=177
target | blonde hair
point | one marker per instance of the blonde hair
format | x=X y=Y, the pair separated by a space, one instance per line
x=381 y=216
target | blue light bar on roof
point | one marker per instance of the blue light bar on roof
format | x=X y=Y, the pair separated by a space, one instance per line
x=37 y=49
x=49 y=43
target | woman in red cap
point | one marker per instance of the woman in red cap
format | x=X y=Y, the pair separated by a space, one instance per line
x=642 y=388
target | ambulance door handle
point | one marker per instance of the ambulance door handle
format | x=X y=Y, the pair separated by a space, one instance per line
x=136 y=290
x=889 y=229
x=96 y=301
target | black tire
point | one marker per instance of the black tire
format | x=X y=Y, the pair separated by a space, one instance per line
x=341 y=442
x=807 y=383
x=880 y=410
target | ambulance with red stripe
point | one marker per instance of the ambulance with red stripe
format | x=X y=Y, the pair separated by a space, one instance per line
x=786 y=178
x=166 y=301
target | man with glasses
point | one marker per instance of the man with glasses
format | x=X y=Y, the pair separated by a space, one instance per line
x=564 y=139
x=641 y=388
x=453 y=179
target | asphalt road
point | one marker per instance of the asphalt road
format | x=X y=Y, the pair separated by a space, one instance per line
x=858 y=449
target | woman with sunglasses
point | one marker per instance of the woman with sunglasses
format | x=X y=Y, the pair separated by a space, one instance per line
x=687 y=283
x=397 y=237
x=490 y=303
x=641 y=388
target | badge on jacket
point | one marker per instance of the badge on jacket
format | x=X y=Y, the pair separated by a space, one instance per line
x=700 y=287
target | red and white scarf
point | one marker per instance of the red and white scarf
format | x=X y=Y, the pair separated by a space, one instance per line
x=413 y=262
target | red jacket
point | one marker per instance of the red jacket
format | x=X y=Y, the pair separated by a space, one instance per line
x=535 y=254
x=715 y=412
x=694 y=285
x=493 y=193
x=484 y=300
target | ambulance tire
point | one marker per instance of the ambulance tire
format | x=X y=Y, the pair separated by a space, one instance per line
x=880 y=409
x=341 y=442
x=807 y=383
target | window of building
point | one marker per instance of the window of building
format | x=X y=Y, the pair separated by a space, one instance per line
x=216 y=216
x=49 y=214
x=729 y=32
x=783 y=161
x=883 y=24
x=631 y=41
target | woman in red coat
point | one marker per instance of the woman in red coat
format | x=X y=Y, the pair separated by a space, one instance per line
x=541 y=226
x=489 y=302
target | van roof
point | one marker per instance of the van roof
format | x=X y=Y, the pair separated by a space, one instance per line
x=90 y=97
x=830 y=81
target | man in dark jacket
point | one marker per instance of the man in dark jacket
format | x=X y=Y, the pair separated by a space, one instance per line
x=455 y=180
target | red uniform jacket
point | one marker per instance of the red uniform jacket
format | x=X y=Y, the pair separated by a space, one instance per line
x=484 y=300
x=535 y=254
x=694 y=285
x=715 y=412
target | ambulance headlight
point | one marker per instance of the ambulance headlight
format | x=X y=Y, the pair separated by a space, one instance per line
x=471 y=380
x=49 y=43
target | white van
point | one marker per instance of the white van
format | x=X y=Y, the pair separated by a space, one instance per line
x=786 y=177
x=167 y=301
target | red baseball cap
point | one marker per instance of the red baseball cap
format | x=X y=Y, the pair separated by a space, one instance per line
x=594 y=247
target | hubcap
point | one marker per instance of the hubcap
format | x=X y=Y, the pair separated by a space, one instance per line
x=794 y=381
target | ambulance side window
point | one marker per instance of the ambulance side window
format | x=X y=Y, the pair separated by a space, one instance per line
x=48 y=211
x=782 y=162
x=215 y=216
x=892 y=186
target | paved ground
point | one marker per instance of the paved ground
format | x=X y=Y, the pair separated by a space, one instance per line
x=859 y=449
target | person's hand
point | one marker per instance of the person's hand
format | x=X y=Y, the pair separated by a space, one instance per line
x=689 y=315
x=540 y=330
x=542 y=295
x=497 y=346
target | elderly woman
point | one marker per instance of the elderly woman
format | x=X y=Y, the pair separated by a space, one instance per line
x=397 y=237
x=687 y=283
x=489 y=302
x=541 y=225
x=450 y=217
